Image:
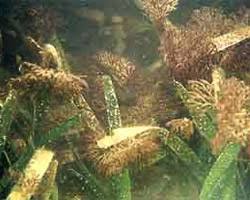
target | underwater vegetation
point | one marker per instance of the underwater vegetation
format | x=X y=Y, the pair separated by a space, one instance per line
x=119 y=119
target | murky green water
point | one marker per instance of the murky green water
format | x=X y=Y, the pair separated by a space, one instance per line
x=169 y=149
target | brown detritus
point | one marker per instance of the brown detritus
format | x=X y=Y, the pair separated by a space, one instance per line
x=184 y=127
x=118 y=67
x=43 y=191
x=189 y=50
x=229 y=99
x=139 y=103
x=58 y=82
x=149 y=105
x=112 y=160
x=95 y=96
x=188 y=53
x=33 y=19
x=33 y=45
x=236 y=58
x=58 y=114
x=233 y=118
x=28 y=183
x=158 y=10
x=90 y=121
x=213 y=21
x=50 y=57
x=47 y=56
x=18 y=143
x=150 y=108
x=32 y=175
x=3 y=93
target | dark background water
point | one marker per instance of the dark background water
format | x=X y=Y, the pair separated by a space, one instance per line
x=82 y=36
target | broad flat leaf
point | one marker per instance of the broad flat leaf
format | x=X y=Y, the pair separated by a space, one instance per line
x=93 y=187
x=187 y=156
x=228 y=191
x=34 y=173
x=232 y=38
x=220 y=182
x=54 y=193
x=47 y=185
x=120 y=134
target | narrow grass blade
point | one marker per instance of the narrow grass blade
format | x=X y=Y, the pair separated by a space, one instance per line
x=187 y=156
x=58 y=131
x=121 y=185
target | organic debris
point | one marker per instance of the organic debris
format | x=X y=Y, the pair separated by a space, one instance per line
x=158 y=10
x=35 y=78
x=229 y=39
x=190 y=51
x=120 y=68
x=184 y=127
x=33 y=175
x=233 y=117
x=111 y=157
